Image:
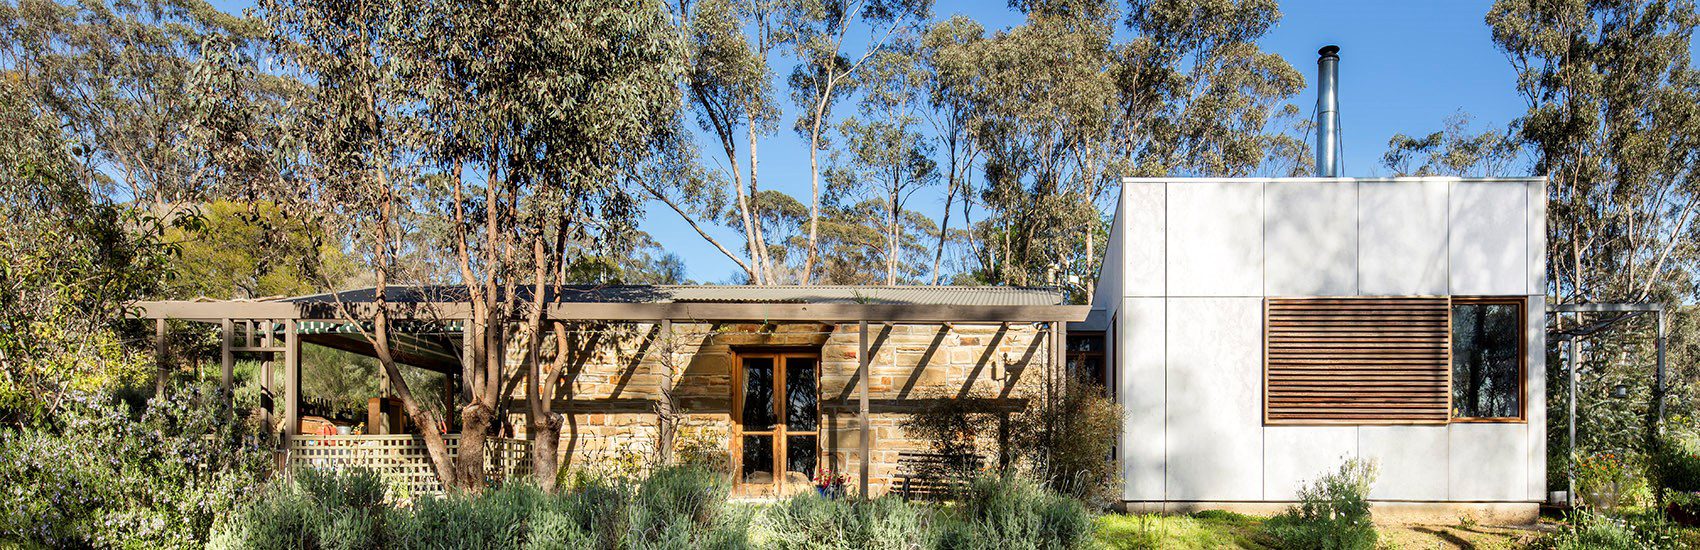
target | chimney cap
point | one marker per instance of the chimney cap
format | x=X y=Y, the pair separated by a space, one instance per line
x=1329 y=51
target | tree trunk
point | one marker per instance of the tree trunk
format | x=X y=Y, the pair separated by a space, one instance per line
x=545 y=435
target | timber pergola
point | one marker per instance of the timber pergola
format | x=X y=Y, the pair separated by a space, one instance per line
x=1569 y=340
x=923 y=305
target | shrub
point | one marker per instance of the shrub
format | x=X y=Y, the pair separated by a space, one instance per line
x=953 y=426
x=1067 y=445
x=1677 y=465
x=677 y=507
x=682 y=508
x=1012 y=512
x=494 y=518
x=1590 y=530
x=1333 y=512
x=810 y=521
x=94 y=474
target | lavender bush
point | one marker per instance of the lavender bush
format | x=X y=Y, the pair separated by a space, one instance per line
x=100 y=474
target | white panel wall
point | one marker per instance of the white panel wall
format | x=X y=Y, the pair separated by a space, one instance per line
x=1411 y=461
x=1489 y=461
x=1214 y=239
x=1214 y=438
x=1145 y=237
x=1198 y=258
x=1295 y=455
x=1402 y=251
x=1488 y=239
x=1142 y=387
x=1310 y=237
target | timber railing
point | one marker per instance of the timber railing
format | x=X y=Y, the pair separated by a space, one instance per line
x=401 y=460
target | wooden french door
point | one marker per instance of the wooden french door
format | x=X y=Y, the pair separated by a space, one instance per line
x=776 y=428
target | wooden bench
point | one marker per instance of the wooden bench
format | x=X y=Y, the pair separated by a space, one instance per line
x=934 y=476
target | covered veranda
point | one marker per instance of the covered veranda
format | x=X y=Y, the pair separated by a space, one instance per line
x=431 y=323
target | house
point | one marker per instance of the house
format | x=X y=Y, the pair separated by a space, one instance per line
x=1262 y=330
x=784 y=381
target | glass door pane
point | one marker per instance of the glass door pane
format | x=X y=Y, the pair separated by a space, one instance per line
x=802 y=411
x=757 y=422
x=758 y=395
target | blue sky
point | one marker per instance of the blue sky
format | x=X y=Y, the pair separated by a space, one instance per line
x=1405 y=67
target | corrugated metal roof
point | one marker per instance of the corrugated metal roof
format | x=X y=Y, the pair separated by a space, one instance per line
x=799 y=294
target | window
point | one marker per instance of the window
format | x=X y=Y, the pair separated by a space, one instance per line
x=1487 y=359
x=1086 y=358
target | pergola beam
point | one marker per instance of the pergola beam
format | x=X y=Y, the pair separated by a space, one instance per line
x=619 y=311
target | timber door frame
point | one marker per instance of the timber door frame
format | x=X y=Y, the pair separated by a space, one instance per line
x=780 y=431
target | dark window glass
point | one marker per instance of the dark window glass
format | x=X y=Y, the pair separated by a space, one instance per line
x=758 y=459
x=801 y=456
x=800 y=396
x=1086 y=342
x=758 y=394
x=1487 y=360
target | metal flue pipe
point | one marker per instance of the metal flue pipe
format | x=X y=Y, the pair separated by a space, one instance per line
x=1328 y=112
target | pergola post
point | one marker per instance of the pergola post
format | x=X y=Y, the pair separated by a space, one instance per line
x=227 y=360
x=291 y=380
x=159 y=358
x=267 y=397
x=867 y=427
x=1659 y=380
x=1570 y=457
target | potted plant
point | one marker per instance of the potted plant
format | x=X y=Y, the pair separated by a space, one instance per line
x=830 y=484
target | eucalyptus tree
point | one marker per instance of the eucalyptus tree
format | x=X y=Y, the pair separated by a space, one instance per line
x=729 y=87
x=1198 y=94
x=825 y=65
x=950 y=89
x=119 y=77
x=1455 y=150
x=888 y=157
x=1611 y=94
x=1037 y=91
x=361 y=153
x=544 y=109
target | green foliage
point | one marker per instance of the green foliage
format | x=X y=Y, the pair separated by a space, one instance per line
x=1677 y=465
x=675 y=508
x=1333 y=512
x=810 y=521
x=69 y=260
x=253 y=250
x=1011 y=512
x=95 y=474
x=1591 y=530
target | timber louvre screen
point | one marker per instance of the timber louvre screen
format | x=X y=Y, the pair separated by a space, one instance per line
x=1357 y=360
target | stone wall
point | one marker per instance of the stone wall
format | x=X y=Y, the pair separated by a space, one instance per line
x=617 y=379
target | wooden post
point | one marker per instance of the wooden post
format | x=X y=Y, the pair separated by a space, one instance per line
x=867 y=426
x=267 y=397
x=159 y=358
x=227 y=361
x=291 y=380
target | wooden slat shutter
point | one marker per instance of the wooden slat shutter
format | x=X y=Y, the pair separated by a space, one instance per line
x=1357 y=360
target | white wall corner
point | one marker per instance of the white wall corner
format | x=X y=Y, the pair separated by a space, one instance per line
x=1144 y=238
x=1487 y=239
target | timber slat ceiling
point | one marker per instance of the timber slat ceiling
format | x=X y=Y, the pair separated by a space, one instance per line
x=1357 y=360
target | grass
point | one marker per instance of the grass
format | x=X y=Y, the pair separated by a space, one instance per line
x=1214 y=529
x=1202 y=530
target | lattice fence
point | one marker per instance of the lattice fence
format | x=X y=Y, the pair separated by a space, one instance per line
x=401 y=460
